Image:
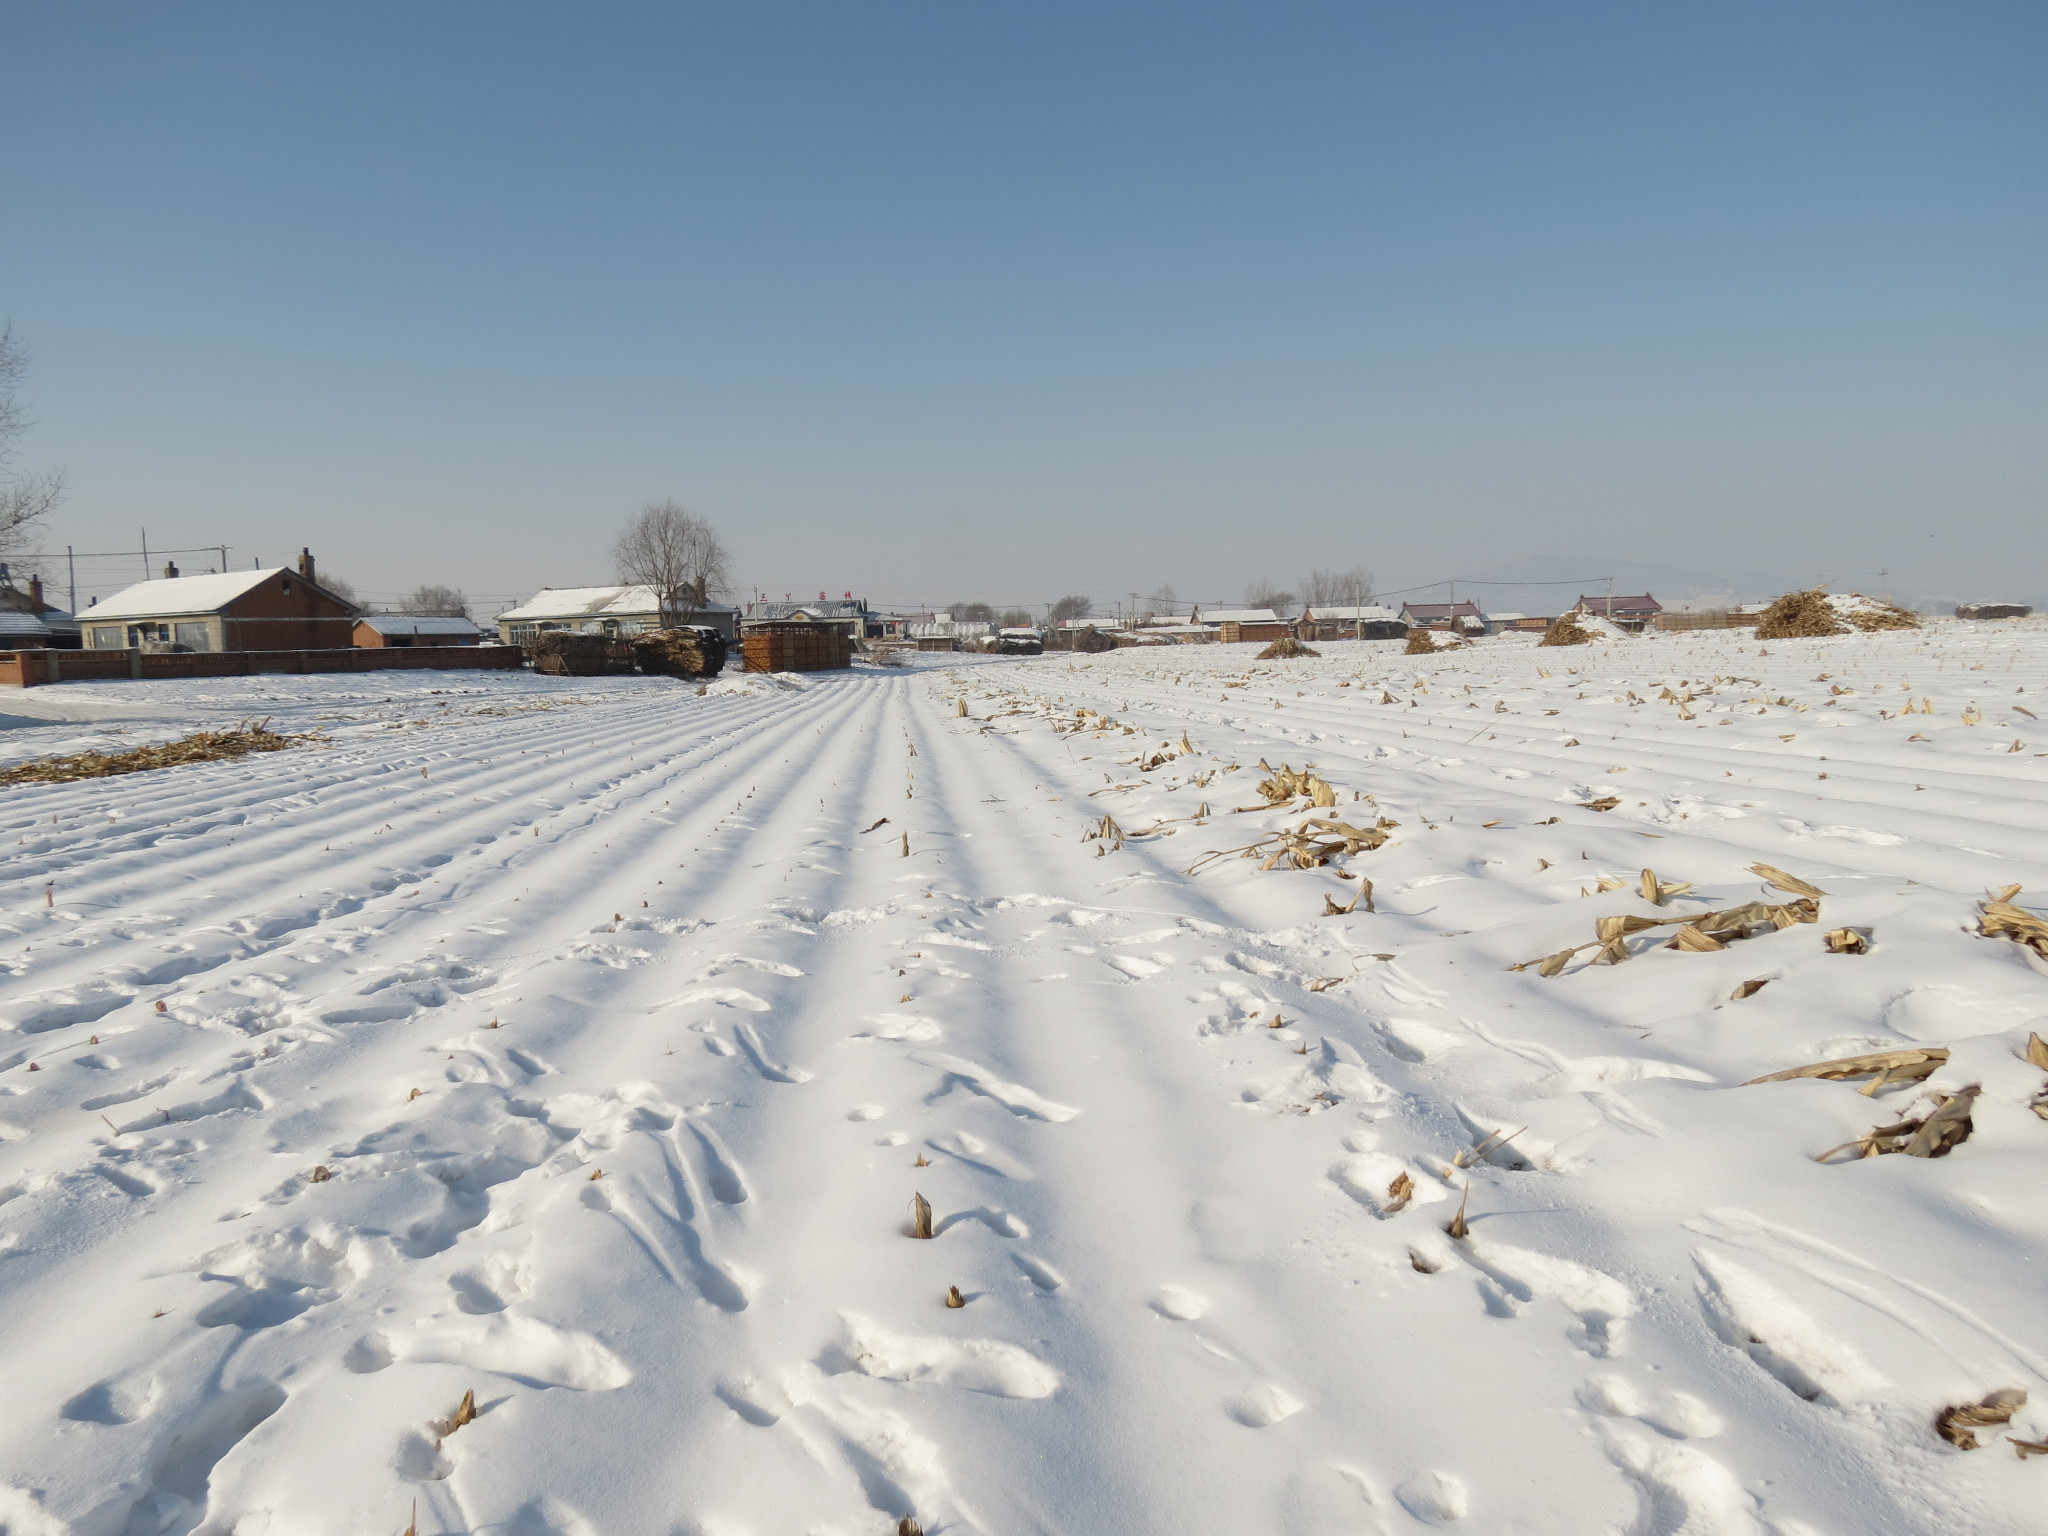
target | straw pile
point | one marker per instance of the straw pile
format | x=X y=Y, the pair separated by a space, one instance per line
x=562 y=653
x=1286 y=648
x=203 y=747
x=1567 y=630
x=1093 y=641
x=1427 y=642
x=1869 y=613
x=1802 y=615
x=1798 y=616
x=693 y=652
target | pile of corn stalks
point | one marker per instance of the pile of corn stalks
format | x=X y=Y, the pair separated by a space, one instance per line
x=203 y=747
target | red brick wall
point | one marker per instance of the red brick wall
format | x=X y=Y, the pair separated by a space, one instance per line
x=270 y=618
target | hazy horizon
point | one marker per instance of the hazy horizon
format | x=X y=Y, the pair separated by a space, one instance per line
x=936 y=304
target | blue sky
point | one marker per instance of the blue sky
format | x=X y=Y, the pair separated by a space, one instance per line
x=939 y=301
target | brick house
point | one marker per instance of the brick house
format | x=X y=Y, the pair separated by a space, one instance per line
x=274 y=609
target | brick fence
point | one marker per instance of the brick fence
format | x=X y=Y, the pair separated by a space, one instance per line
x=28 y=669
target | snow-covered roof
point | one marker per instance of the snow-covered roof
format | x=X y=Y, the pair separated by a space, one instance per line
x=1240 y=616
x=183 y=594
x=18 y=624
x=418 y=624
x=1507 y=618
x=1370 y=613
x=597 y=603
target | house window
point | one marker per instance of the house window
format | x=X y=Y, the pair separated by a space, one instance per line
x=287 y=583
x=148 y=634
x=108 y=637
x=193 y=637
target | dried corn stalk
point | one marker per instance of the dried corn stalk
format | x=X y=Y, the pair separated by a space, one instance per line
x=1699 y=931
x=1285 y=784
x=1399 y=1193
x=1936 y=1135
x=1105 y=830
x=1956 y=1425
x=920 y=1216
x=1847 y=941
x=1604 y=803
x=1883 y=1068
x=1657 y=891
x=2000 y=918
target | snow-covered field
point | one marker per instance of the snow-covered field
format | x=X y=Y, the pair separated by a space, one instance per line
x=582 y=1045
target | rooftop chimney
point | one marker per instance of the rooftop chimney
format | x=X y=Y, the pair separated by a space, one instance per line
x=306 y=565
x=170 y=571
x=35 y=596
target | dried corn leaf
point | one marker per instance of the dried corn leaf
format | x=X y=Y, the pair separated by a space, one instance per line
x=1909 y=1065
x=1847 y=941
x=1657 y=890
x=1749 y=988
x=1771 y=875
x=1691 y=939
x=1604 y=803
x=2025 y=1448
x=1399 y=1193
x=2037 y=1051
x=1956 y=1424
x=1936 y=1135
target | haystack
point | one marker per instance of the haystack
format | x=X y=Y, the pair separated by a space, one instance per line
x=1869 y=613
x=1427 y=642
x=1567 y=630
x=693 y=652
x=1285 y=648
x=564 y=653
x=1093 y=641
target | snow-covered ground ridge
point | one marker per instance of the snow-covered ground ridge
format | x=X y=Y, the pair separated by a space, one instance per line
x=583 y=1045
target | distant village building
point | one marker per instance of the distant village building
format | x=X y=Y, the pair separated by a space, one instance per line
x=396 y=629
x=1629 y=612
x=616 y=610
x=1465 y=618
x=849 y=613
x=27 y=622
x=1240 y=624
x=273 y=609
x=1354 y=621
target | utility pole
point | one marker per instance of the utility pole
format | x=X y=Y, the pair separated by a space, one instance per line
x=145 y=554
x=71 y=563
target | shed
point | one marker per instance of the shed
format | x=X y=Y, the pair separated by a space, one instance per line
x=797 y=647
x=400 y=629
x=619 y=611
x=268 y=609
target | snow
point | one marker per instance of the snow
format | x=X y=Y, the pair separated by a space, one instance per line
x=582 y=1044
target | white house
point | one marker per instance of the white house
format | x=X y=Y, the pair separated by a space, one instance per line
x=618 y=610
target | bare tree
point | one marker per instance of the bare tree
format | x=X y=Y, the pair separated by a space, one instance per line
x=1016 y=618
x=1263 y=594
x=1164 y=600
x=1348 y=589
x=433 y=601
x=971 y=613
x=675 y=552
x=24 y=499
x=341 y=587
x=1071 y=607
